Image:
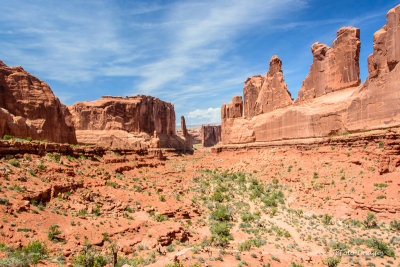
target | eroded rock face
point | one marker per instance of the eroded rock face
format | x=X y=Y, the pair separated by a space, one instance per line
x=263 y=94
x=376 y=104
x=185 y=134
x=331 y=101
x=230 y=114
x=136 y=114
x=137 y=122
x=333 y=68
x=210 y=135
x=233 y=109
x=28 y=108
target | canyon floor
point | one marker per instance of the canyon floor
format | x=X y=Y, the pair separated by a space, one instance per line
x=325 y=205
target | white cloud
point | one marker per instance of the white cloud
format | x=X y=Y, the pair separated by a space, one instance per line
x=199 y=116
x=205 y=34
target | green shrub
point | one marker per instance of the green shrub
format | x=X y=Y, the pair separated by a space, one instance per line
x=248 y=217
x=8 y=137
x=218 y=196
x=160 y=218
x=221 y=214
x=53 y=233
x=42 y=167
x=89 y=258
x=14 y=163
x=220 y=234
x=31 y=254
x=381 y=144
x=370 y=220
x=245 y=246
x=4 y=201
x=395 y=225
x=171 y=248
x=96 y=210
x=35 y=251
x=380 y=247
x=332 y=261
x=327 y=219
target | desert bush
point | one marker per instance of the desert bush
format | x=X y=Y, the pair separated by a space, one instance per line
x=160 y=218
x=395 y=225
x=370 y=221
x=31 y=254
x=332 y=261
x=4 y=201
x=53 y=233
x=221 y=213
x=380 y=247
x=220 y=234
x=171 y=248
x=35 y=251
x=89 y=258
x=14 y=163
x=327 y=219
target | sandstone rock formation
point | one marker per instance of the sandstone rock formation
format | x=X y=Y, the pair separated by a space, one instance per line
x=376 y=104
x=234 y=128
x=28 y=108
x=126 y=122
x=233 y=109
x=185 y=134
x=333 y=68
x=210 y=135
x=331 y=100
x=263 y=94
x=134 y=114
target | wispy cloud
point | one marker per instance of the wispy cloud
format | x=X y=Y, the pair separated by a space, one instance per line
x=209 y=115
x=74 y=42
x=206 y=33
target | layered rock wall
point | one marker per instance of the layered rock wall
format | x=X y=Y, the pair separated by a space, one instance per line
x=210 y=135
x=136 y=114
x=263 y=94
x=333 y=68
x=331 y=101
x=185 y=133
x=28 y=108
x=135 y=122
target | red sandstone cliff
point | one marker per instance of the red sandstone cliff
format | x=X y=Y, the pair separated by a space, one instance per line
x=376 y=103
x=331 y=100
x=210 y=135
x=333 y=68
x=263 y=94
x=137 y=122
x=28 y=108
x=185 y=133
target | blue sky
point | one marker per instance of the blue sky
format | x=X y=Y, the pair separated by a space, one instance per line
x=195 y=54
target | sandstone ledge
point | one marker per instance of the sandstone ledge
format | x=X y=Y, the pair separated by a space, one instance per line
x=357 y=139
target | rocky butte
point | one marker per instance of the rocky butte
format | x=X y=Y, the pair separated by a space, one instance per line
x=28 y=108
x=331 y=100
x=210 y=135
x=136 y=122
